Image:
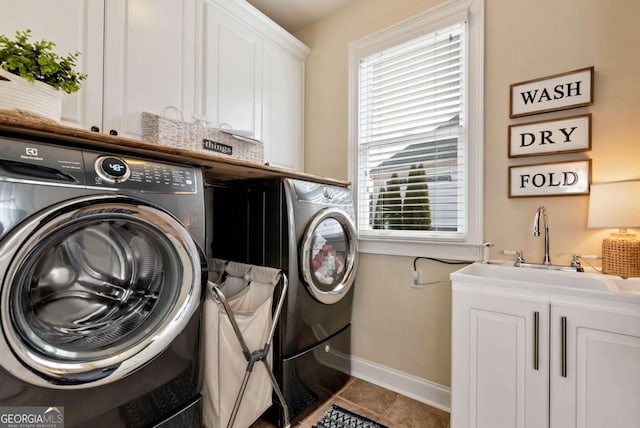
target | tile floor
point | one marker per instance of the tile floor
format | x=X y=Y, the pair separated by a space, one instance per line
x=379 y=404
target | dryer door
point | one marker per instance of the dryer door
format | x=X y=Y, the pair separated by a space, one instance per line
x=329 y=255
x=95 y=288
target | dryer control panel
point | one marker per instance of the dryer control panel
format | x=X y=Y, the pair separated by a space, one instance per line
x=317 y=193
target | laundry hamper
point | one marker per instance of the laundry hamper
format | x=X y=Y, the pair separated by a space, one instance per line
x=238 y=330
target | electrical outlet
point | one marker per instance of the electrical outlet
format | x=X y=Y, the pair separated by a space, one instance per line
x=416 y=278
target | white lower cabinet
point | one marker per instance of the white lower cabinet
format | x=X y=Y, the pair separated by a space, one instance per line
x=599 y=385
x=523 y=361
x=499 y=378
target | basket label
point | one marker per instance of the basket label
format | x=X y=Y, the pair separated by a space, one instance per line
x=214 y=146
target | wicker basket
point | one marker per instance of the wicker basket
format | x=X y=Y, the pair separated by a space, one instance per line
x=36 y=97
x=195 y=137
x=621 y=255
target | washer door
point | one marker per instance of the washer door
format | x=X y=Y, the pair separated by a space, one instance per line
x=95 y=288
x=329 y=255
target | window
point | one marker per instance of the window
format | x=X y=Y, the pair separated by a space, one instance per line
x=416 y=133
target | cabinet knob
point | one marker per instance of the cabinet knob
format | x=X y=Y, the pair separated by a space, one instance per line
x=113 y=132
x=95 y=129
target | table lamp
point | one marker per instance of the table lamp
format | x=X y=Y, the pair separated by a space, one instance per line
x=617 y=205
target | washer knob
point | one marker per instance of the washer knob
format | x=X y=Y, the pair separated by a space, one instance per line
x=112 y=169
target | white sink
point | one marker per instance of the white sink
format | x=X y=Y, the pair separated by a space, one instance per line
x=629 y=285
x=536 y=276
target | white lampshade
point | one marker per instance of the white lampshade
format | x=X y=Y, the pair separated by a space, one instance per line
x=615 y=205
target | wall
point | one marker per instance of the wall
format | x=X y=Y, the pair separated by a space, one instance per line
x=546 y=38
x=408 y=329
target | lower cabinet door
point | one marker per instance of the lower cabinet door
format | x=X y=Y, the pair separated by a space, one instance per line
x=595 y=367
x=500 y=376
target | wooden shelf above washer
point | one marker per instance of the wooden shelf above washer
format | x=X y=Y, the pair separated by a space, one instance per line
x=217 y=167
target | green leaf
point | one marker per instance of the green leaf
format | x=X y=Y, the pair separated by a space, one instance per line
x=38 y=61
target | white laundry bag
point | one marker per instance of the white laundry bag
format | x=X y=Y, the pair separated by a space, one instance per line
x=249 y=293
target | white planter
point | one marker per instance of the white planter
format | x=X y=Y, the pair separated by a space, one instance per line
x=17 y=93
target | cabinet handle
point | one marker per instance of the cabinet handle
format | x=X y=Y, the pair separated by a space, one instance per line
x=95 y=129
x=536 y=340
x=563 y=346
x=113 y=132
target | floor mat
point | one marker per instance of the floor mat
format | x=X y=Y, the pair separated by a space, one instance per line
x=337 y=417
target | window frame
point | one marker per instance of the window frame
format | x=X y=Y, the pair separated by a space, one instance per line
x=470 y=246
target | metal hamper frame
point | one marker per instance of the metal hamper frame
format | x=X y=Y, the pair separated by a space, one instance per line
x=259 y=355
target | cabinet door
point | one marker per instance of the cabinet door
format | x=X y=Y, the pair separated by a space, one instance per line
x=233 y=71
x=283 y=108
x=500 y=376
x=73 y=25
x=600 y=384
x=149 y=61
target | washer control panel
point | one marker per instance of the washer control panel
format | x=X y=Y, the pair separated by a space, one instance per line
x=132 y=173
x=27 y=160
x=23 y=160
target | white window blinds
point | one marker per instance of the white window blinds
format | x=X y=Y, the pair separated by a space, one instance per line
x=411 y=148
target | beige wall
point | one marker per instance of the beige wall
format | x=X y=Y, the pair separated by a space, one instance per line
x=408 y=329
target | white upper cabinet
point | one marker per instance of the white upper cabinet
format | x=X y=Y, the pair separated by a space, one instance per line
x=149 y=61
x=73 y=25
x=139 y=55
x=233 y=72
x=254 y=79
x=221 y=59
x=283 y=108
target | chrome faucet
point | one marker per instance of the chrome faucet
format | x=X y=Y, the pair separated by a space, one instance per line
x=542 y=211
x=575 y=266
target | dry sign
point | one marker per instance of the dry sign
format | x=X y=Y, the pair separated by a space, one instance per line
x=567 y=135
x=557 y=92
x=550 y=179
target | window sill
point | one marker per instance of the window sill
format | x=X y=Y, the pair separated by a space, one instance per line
x=446 y=250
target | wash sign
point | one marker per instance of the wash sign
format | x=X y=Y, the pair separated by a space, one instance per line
x=557 y=92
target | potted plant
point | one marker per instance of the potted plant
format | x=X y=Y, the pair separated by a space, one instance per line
x=33 y=77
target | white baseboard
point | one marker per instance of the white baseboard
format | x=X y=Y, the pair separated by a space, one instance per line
x=419 y=389
x=408 y=385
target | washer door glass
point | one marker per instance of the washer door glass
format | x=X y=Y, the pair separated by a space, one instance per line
x=329 y=255
x=97 y=284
